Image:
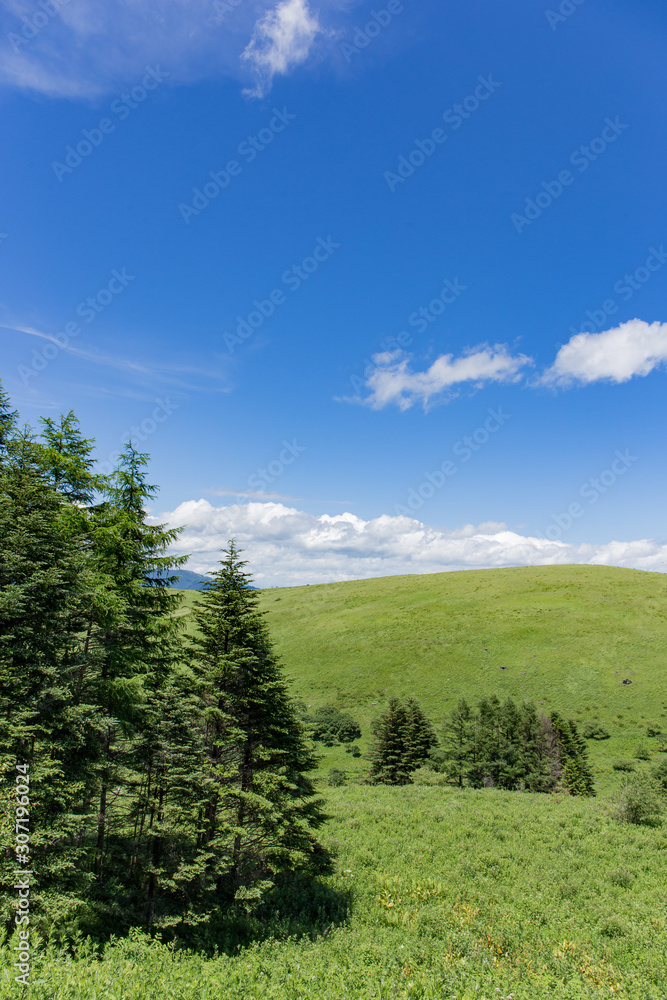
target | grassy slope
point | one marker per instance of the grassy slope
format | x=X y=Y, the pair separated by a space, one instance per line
x=454 y=896
x=567 y=635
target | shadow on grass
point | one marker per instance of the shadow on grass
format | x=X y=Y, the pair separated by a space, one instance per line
x=300 y=905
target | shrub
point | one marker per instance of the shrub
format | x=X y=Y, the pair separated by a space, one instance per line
x=642 y=752
x=427 y=776
x=623 y=765
x=353 y=749
x=613 y=927
x=653 y=730
x=639 y=802
x=328 y=725
x=336 y=777
x=659 y=775
x=595 y=731
x=621 y=877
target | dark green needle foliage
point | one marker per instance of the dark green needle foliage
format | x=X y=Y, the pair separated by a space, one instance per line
x=262 y=811
x=402 y=741
x=511 y=746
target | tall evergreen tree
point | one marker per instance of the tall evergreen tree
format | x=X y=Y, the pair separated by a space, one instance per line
x=403 y=739
x=132 y=630
x=68 y=458
x=44 y=599
x=260 y=817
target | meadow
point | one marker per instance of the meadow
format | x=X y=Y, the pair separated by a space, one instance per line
x=436 y=892
x=565 y=637
x=472 y=895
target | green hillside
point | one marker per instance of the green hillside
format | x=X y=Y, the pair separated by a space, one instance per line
x=567 y=636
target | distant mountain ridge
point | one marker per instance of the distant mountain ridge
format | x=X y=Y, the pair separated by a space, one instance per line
x=187 y=580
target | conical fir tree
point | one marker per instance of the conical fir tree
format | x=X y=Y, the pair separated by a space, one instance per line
x=262 y=811
x=403 y=738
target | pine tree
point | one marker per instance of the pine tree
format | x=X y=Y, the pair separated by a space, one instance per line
x=403 y=739
x=576 y=774
x=134 y=635
x=262 y=811
x=8 y=420
x=44 y=599
x=68 y=458
x=456 y=754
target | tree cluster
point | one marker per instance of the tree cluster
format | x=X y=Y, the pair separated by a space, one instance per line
x=329 y=725
x=168 y=774
x=403 y=739
x=495 y=745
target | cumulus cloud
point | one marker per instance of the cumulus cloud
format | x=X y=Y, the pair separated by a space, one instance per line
x=281 y=40
x=87 y=48
x=393 y=381
x=286 y=546
x=616 y=355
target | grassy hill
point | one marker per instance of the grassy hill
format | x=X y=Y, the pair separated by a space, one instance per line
x=566 y=636
x=436 y=893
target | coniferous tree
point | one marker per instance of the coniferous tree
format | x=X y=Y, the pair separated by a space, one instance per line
x=261 y=813
x=67 y=456
x=403 y=738
x=510 y=746
x=133 y=633
x=456 y=757
x=44 y=598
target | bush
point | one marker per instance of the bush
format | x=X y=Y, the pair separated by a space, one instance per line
x=594 y=731
x=623 y=765
x=427 y=776
x=639 y=803
x=353 y=749
x=329 y=725
x=621 y=877
x=659 y=775
x=653 y=730
x=613 y=927
x=336 y=777
x=642 y=752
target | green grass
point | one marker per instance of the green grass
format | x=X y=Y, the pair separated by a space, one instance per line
x=567 y=636
x=454 y=895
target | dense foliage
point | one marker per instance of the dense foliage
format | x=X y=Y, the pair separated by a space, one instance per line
x=505 y=745
x=167 y=779
x=402 y=739
x=453 y=895
x=329 y=725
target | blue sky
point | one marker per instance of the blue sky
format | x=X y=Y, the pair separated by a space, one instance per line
x=302 y=252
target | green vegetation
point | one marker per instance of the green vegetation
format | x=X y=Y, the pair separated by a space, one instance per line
x=510 y=746
x=451 y=894
x=175 y=794
x=566 y=636
x=329 y=725
x=403 y=738
x=163 y=783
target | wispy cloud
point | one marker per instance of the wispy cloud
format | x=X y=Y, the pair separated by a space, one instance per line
x=616 y=355
x=282 y=39
x=393 y=381
x=286 y=545
x=88 y=48
x=177 y=374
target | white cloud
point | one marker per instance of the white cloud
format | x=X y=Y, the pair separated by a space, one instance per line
x=282 y=39
x=89 y=48
x=393 y=381
x=286 y=546
x=616 y=355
